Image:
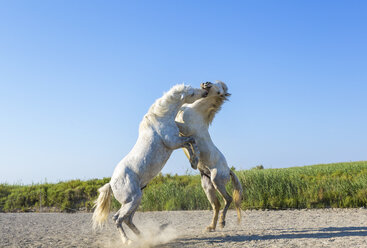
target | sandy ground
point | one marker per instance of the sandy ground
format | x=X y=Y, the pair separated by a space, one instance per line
x=287 y=228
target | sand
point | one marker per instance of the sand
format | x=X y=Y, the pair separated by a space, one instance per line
x=286 y=228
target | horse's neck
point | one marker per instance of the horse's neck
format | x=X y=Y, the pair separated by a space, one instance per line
x=194 y=120
x=206 y=108
x=164 y=110
x=196 y=125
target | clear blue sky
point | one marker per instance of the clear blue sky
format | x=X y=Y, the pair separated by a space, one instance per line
x=76 y=78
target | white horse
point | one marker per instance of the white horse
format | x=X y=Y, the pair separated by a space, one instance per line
x=193 y=120
x=158 y=137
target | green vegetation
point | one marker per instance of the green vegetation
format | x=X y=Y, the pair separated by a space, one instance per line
x=63 y=196
x=341 y=185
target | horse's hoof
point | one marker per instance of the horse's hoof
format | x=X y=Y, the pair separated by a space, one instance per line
x=194 y=163
x=222 y=224
x=210 y=229
x=128 y=242
x=191 y=140
x=206 y=85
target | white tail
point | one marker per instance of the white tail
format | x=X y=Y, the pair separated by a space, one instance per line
x=102 y=206
x=237 y=195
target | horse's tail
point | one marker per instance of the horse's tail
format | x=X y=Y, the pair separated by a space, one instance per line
x=102 y=206
x=237 y=194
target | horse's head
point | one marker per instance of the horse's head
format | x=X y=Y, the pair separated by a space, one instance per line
x=218 y=89
x=190 y=94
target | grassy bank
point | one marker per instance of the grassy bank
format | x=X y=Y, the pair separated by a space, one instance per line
x=342 y=185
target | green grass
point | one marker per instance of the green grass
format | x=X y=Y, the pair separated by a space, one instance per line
x=341 y=185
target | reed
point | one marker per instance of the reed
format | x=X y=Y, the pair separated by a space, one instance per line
x=339 y=185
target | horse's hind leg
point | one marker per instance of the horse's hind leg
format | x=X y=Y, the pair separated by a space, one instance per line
x=124 y=215
x=131 y=225
x=212 y=197
x=219 y=182
x=127 y=191
x=125 y=239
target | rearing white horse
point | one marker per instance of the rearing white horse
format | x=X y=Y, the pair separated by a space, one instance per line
x=158 y=137
x=193 y=120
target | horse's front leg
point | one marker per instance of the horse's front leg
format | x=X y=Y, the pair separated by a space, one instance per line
x=175 y=142
x=193 y=154
x=191 y=150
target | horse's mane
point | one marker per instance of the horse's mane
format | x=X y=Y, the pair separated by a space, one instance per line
x=217 y=105
x=161 y=106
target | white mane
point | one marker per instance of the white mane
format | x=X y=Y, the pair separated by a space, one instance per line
x=214 y=109
x=161 y=106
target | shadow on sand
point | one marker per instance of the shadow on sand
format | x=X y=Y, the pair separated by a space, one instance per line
x=323 y=233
